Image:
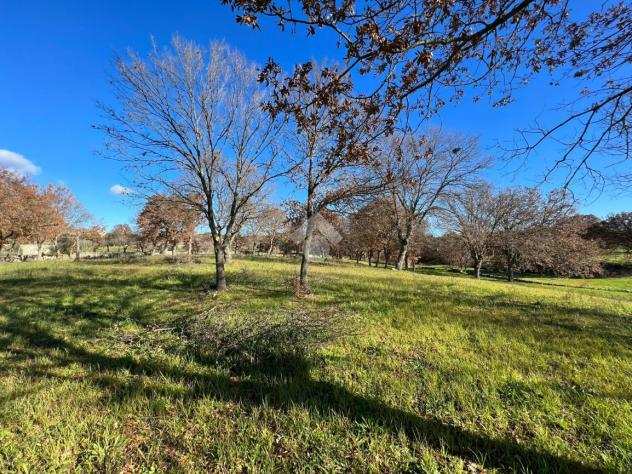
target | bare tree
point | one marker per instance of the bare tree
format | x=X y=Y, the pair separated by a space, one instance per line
x=371 y=230
x=423 y=172
x=593 y=132
x=525 y=217
x=267 y=226
x=190 y=124
x=475 y=216
x=76 y=216
x=329 y=152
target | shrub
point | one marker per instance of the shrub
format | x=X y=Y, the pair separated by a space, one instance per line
x=255 y=337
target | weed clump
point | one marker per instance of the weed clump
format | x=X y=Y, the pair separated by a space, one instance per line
x=262 y=336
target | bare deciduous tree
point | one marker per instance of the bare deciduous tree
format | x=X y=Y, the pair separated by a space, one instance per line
x=423 y=172
x=76 y=216
x=525 y=216
x=475 y=215
x=190 y=123
x=329 y=151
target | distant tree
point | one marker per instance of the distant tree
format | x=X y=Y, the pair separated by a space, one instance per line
x=423 y=172
x=95 y=235
x=121 y=235
x=615 y=231
x=273 y=223
x=560 y=249
x=165 y=221
x=475 y=215
x=46 y=217
x=526 y=216
x=371 y=231
x=76 y=216
x=18 y=200
x=266 y=227
x=451 y=251
x=191 y=125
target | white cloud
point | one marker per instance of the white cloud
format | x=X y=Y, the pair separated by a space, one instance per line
x=120 y=190
x=17 y=164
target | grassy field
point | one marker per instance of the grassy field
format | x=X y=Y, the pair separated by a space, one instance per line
x=442 y=373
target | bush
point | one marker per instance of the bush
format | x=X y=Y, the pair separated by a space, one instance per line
x=256 y=337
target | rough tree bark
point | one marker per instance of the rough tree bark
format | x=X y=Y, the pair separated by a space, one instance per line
x=307 y=244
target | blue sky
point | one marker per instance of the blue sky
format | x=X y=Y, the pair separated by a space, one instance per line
x=55 y=58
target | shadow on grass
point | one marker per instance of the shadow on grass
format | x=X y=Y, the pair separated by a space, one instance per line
x=282 y=383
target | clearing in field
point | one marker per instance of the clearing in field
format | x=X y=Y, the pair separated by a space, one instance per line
x=432 y=373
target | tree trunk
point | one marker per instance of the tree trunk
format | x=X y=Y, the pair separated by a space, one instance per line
x=307 y=246
x=271 y=246
x=77 y=248
x=386 y=257
x=478 y=266
x=190 y=248
x=510 y=272
x=220 y=271
x=369 y=256
x=228 y=252
x=403 y=253
x=377 y=259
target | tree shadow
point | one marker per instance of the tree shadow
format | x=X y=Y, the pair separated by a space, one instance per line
x=282 y=382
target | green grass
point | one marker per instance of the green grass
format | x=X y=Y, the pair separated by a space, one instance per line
x=444 y=373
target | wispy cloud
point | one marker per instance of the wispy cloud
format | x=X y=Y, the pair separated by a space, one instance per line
x=17 y=164
x=120 y=190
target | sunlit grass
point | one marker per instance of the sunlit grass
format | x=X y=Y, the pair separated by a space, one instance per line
x=442 y=373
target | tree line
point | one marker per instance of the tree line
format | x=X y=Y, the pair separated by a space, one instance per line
x=201 y=125
x=508 y=231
